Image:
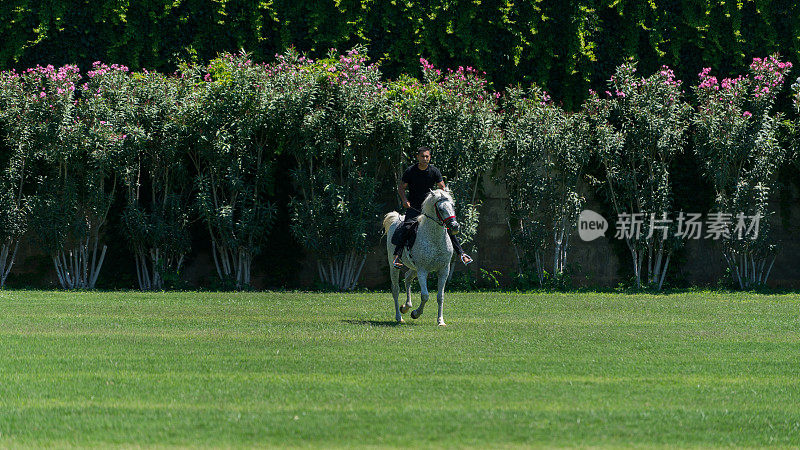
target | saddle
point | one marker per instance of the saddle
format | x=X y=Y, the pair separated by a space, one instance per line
x=406 y=233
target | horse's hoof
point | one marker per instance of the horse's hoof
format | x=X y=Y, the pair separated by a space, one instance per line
x=442 y=324
x=404 y=309
x=400 y=320
x=414 y=314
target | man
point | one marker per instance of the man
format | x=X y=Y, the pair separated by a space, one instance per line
x=420 y=179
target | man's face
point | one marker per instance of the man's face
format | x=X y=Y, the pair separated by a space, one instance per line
x=424 y=158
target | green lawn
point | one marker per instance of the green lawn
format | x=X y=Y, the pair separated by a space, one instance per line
x=289 y=369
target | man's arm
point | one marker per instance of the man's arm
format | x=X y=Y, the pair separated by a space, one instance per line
x=440 y=183
x=401 y=189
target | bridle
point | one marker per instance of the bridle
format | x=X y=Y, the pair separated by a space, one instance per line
x=439 y=219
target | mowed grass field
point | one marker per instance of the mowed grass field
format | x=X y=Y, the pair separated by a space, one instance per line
x=295 y=369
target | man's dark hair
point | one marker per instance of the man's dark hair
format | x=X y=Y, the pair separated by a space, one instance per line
x=423 y=149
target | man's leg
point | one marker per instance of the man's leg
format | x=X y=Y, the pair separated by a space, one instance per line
x=410 y=218
x=398 y=249
x=465 y=258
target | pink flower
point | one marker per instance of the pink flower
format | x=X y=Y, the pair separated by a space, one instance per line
x=747 y=114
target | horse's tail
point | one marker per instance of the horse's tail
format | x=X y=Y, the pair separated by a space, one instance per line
x=389 y=219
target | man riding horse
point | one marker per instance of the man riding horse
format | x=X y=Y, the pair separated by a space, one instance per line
x=419 y=179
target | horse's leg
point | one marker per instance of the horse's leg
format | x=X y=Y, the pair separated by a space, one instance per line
x=409 y=279
x=394 y=274
x=422 y=276
x=443 y=274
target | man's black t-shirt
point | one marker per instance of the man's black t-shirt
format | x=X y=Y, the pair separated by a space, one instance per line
x=420 y=182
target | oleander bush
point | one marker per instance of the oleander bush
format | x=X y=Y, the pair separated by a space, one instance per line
x=641 y=125
x=209 y=143
x=545 y=157
x=736 y=139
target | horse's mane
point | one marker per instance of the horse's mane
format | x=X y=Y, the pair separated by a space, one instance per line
x=434 y=196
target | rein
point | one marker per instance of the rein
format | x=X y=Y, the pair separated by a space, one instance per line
x=438 y=219
x=442 y=222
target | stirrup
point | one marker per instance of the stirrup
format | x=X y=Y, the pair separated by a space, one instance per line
x=466 y=263
x=397 y=264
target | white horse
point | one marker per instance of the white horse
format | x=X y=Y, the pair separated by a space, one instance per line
x=431 y=252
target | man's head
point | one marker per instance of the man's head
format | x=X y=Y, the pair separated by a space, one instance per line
x=423 y=156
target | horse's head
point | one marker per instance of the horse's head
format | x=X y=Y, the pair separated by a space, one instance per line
x=439 y=204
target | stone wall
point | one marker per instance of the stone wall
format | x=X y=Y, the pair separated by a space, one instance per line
x=600 y=266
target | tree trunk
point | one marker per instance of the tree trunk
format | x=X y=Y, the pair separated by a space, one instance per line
x=636 y=266
x=539 y=269
x=79 y=268
x=7 y=257
x=343 y=270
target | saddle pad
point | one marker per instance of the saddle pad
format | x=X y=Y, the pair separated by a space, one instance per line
x=406 y=231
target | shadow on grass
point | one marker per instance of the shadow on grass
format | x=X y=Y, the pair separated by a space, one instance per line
x=378 y=323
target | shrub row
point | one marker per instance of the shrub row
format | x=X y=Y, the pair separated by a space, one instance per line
x=205 y=142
